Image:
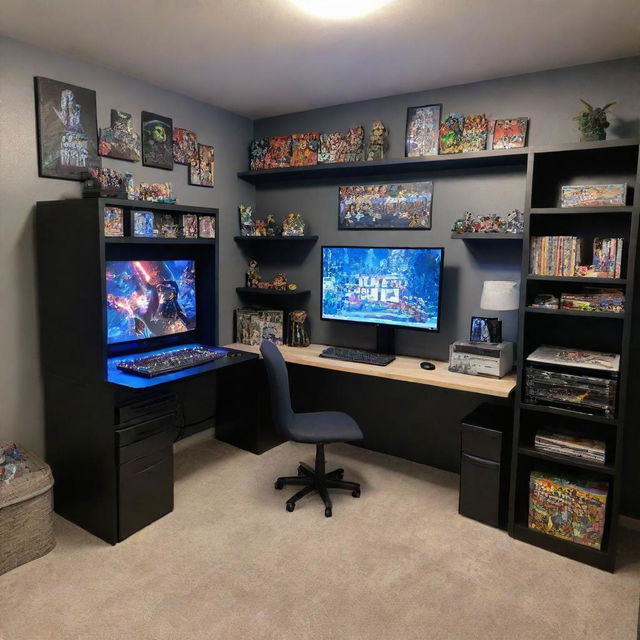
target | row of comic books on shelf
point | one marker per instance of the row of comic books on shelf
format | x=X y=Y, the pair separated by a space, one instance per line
x=555 y=255
x=570 y=445
x=562 y=256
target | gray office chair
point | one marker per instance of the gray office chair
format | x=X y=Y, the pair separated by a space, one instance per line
x=317 y=428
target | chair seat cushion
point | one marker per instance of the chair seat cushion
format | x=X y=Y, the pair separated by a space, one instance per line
x=325 y=426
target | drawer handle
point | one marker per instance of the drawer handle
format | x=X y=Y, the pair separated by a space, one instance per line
x=481 y=462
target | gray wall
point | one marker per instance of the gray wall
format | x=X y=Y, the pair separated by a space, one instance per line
x=20 y=186
x=550 y=99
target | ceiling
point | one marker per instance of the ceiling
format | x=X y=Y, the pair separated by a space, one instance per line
x=266 y=57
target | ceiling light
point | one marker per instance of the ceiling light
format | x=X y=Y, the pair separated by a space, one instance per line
x=339 y=9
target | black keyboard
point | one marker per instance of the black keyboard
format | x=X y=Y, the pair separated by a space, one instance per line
x=157 y=364
x=356 y=355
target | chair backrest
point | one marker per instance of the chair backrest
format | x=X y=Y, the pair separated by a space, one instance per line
x=278 y=386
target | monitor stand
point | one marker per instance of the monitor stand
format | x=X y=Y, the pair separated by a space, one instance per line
x=385 y=339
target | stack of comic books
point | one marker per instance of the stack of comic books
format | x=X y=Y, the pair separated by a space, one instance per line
x=568 y=507
x=566 y=445
x=555 y=255
x=607 y=300
x=255 y=325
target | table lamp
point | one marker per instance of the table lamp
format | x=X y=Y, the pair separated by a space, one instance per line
x=499 y=295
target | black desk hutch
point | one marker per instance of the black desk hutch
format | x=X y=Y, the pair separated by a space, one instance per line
x=108 y=439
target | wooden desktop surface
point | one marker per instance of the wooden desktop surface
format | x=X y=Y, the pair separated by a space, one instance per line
x=404 y=368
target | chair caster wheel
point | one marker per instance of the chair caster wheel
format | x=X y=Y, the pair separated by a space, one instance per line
x=291 y=506
x=300 y=471
x=356 y=493
x=327 y=512
x=340 y=476
x=278 y=485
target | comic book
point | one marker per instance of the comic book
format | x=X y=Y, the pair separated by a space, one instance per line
x=304 y=149
x=573 y=509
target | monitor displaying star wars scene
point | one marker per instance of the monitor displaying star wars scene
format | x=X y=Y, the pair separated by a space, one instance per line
x=150 y=299
x=399 y=287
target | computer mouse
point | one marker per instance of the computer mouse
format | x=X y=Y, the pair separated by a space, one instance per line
x=429 y=366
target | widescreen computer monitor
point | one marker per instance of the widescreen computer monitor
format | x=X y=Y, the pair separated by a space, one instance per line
x=149 y=299
x=398 y=287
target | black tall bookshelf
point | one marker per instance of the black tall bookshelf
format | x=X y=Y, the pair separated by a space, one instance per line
x=549 y=168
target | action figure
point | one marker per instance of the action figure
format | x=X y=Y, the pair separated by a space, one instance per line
x=377 y=139
x=253 y=275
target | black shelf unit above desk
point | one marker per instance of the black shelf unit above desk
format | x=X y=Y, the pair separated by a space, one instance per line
x=254 y=291
x=261 y=239
x=549 y=168
x=487 y=236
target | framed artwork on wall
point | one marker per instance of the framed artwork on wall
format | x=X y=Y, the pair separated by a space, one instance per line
x=157 y=141
x=120 y=140
x=386 y=206
x=185 y=146
x=423 y=126
x=510 y=134
x=201 y=172
x=67 y=130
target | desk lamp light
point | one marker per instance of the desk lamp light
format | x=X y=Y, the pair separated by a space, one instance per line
x=499 y=295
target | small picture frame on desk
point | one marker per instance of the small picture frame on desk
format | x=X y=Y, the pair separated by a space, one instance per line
x=485 y=330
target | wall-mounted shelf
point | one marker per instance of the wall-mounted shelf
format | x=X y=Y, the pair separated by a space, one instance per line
x=275 y=238
x=487 y=236
x=571 y=312
x=388 y=167
x=271 y=292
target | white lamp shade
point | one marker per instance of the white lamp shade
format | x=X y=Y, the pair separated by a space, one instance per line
x=500 y=295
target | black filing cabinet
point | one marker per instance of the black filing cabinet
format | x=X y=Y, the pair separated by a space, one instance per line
x=485 y=444
x=144 y=444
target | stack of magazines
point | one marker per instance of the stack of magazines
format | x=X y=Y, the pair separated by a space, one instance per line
x=555 y=255
x=576 y=446
x=607 y=257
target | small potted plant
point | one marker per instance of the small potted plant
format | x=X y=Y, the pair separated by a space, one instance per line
x=593 y=122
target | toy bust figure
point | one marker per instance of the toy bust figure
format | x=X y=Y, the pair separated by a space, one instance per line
x=293 y=225
x=247 y=226
x=261 y=228
x=298 y=330
x=280 y=282
x=271 y=226
x=253 y=274
x=376 y=146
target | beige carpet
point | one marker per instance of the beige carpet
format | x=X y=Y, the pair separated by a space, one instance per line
x=230 y=563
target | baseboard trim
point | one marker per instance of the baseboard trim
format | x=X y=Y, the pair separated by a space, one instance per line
x=197 y=438
x=629 y=523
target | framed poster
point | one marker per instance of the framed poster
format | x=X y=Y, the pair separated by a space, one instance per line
x=423 y=130
x=67 y=130
x=386 y=206
x=201 y=173
x=157 y=141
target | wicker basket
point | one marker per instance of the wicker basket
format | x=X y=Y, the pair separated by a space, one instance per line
x=26 y=515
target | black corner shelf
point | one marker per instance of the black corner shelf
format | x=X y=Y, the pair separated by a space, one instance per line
x=570 y=461
x=568 y=413
x=152 y=241
x=579 y=210
x=572 y=312
x=584 y=280
x=487 y=236
x=275 y=238
x=387 y=168
x=271 y=292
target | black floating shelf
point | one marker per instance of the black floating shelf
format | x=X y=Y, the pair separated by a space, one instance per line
x=570 y=461
x=557 y=210
x=586 y=281
x=573 y=550
x=272 y=292
x=275 y=238
x=568 y=413
x=130 y=240
x=389 y=167
x=572 y=312
x=487 y=236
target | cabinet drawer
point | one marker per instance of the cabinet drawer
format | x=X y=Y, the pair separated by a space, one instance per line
x=480 y=490
x=145 y=491
x=142 y=430
x=481 y=442
x=148 y=446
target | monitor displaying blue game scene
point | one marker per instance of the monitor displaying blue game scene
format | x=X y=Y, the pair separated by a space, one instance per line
x=150 y=299
x=399 y=287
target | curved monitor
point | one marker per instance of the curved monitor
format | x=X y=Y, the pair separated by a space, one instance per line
x=399 y=287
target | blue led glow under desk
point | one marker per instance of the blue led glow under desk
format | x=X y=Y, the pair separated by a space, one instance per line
x=124 y=379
